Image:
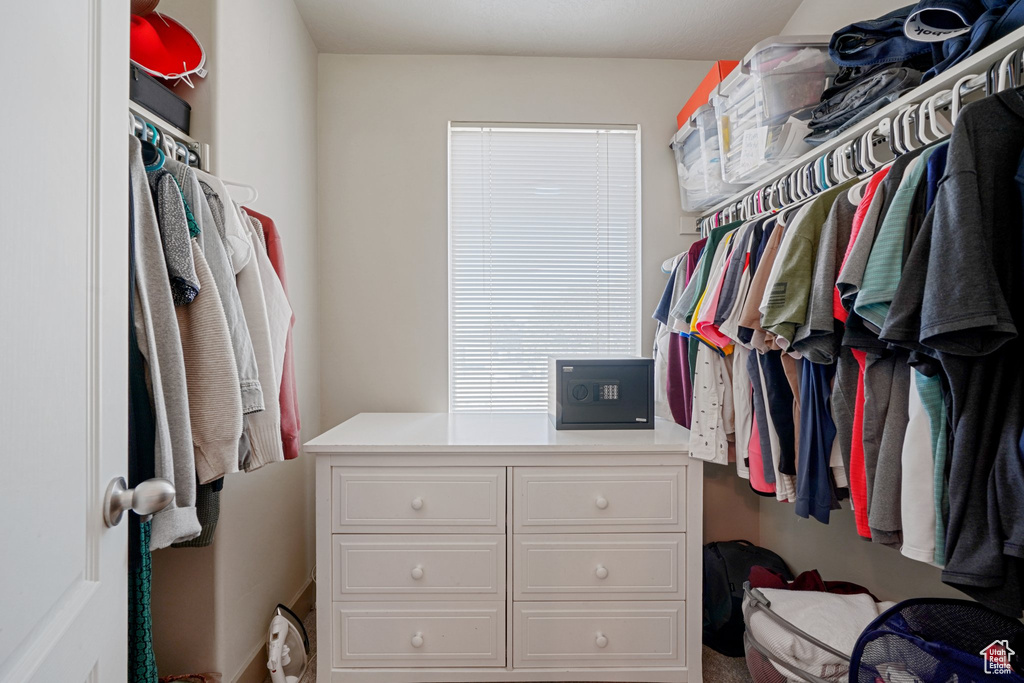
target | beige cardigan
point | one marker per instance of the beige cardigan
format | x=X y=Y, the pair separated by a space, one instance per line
x=214 y=402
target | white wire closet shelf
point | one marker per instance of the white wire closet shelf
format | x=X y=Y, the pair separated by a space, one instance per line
x=174 y=141
x=916 y=118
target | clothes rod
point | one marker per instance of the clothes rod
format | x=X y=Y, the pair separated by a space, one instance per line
x=994 y=68
x=171 y=139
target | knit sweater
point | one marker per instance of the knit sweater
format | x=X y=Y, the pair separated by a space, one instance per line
x=263 y=430
x=174 y=233
x=156 y=328
x=215 y=405
x=193 y=196
x=290 y=424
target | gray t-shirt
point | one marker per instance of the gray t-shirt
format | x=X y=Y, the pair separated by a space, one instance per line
x=818 y=339
x=735 y=267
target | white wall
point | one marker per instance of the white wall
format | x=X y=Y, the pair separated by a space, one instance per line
x=826 y=16
x=258 y=109
x=836 y=550
x=383 y=198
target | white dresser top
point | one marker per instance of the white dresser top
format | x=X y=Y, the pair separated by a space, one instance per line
x=489 y=433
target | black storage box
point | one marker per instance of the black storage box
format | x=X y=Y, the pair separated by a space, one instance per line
x=601 y=393
x=150 y=93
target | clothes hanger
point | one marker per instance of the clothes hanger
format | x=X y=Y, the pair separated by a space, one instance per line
x=889 y=128
x=1007 y=72
x=921 y=134
x=874 y=162
x=839 y=161
x=910 y=139
x=849 y=165
x=255 y=194
x=990 y=80
x=956 y=102
x=777 y=198
x=900 y=132
x=170 y=146
x=865 y=148
x=853 y=156
x=814 y=176
x=940 y=125
x=823 y=174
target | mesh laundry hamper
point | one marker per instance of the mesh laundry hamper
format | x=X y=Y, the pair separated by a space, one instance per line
x=817 y=663
x=934 y=640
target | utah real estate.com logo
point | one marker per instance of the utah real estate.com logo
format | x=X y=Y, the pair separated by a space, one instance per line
x=997 y=657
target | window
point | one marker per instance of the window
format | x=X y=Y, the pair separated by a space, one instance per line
x=544 y=251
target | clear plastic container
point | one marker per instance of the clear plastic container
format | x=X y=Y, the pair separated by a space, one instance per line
x=698 y=162
x=763 y=106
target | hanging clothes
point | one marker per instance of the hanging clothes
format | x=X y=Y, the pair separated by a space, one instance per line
x=141 y=461
x=966 y=315
x=209 y=359
x=156 y=327
x=263 y=429
x=876 y=330
x=289 y=398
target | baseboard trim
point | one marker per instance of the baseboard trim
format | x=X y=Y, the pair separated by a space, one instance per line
x=256 y=670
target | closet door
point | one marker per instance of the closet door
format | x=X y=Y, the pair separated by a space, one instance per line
x=63 y=339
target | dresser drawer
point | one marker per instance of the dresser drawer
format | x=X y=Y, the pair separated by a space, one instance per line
x=599 y=567
x=418 y=500
x=611 y=634
x=417 y=634
x=605 y=499
x=418 y=567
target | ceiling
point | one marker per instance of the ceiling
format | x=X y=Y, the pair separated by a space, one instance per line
x=656 y=29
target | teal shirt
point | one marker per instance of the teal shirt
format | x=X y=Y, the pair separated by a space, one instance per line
x=885 y=262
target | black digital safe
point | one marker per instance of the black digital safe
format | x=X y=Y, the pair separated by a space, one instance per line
x=601 y=393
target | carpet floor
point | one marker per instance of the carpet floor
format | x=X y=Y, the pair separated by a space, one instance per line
x=717 y=668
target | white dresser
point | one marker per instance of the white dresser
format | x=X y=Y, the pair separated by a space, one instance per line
x=495 y=548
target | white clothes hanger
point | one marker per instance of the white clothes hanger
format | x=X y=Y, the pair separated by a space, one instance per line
x=940 y=125
x=957 y=102
x=1007 y=78
x=909 y=131
x=254 y=194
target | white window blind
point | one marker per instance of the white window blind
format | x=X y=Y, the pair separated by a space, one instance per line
x=544 y=249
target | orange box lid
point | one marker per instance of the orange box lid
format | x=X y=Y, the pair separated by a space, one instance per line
x=700 y=96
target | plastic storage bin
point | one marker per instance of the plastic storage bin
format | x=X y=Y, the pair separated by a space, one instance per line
x=698 y=162
x=763 y=106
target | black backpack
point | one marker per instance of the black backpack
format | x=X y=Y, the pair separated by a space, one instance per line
x=726 y=566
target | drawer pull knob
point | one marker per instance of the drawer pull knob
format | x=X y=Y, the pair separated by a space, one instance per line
x=417 y=640
x=601 y=502
x=601 y=641
x=417 y=503
x=417 y=572
x=601 y=571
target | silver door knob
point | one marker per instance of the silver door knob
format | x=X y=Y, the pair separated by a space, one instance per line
x=601 y=571
x=417 y=572
x=601 y=641
x=149 y=497
x=417 y=640
x=601 y=502
x=417 y=503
